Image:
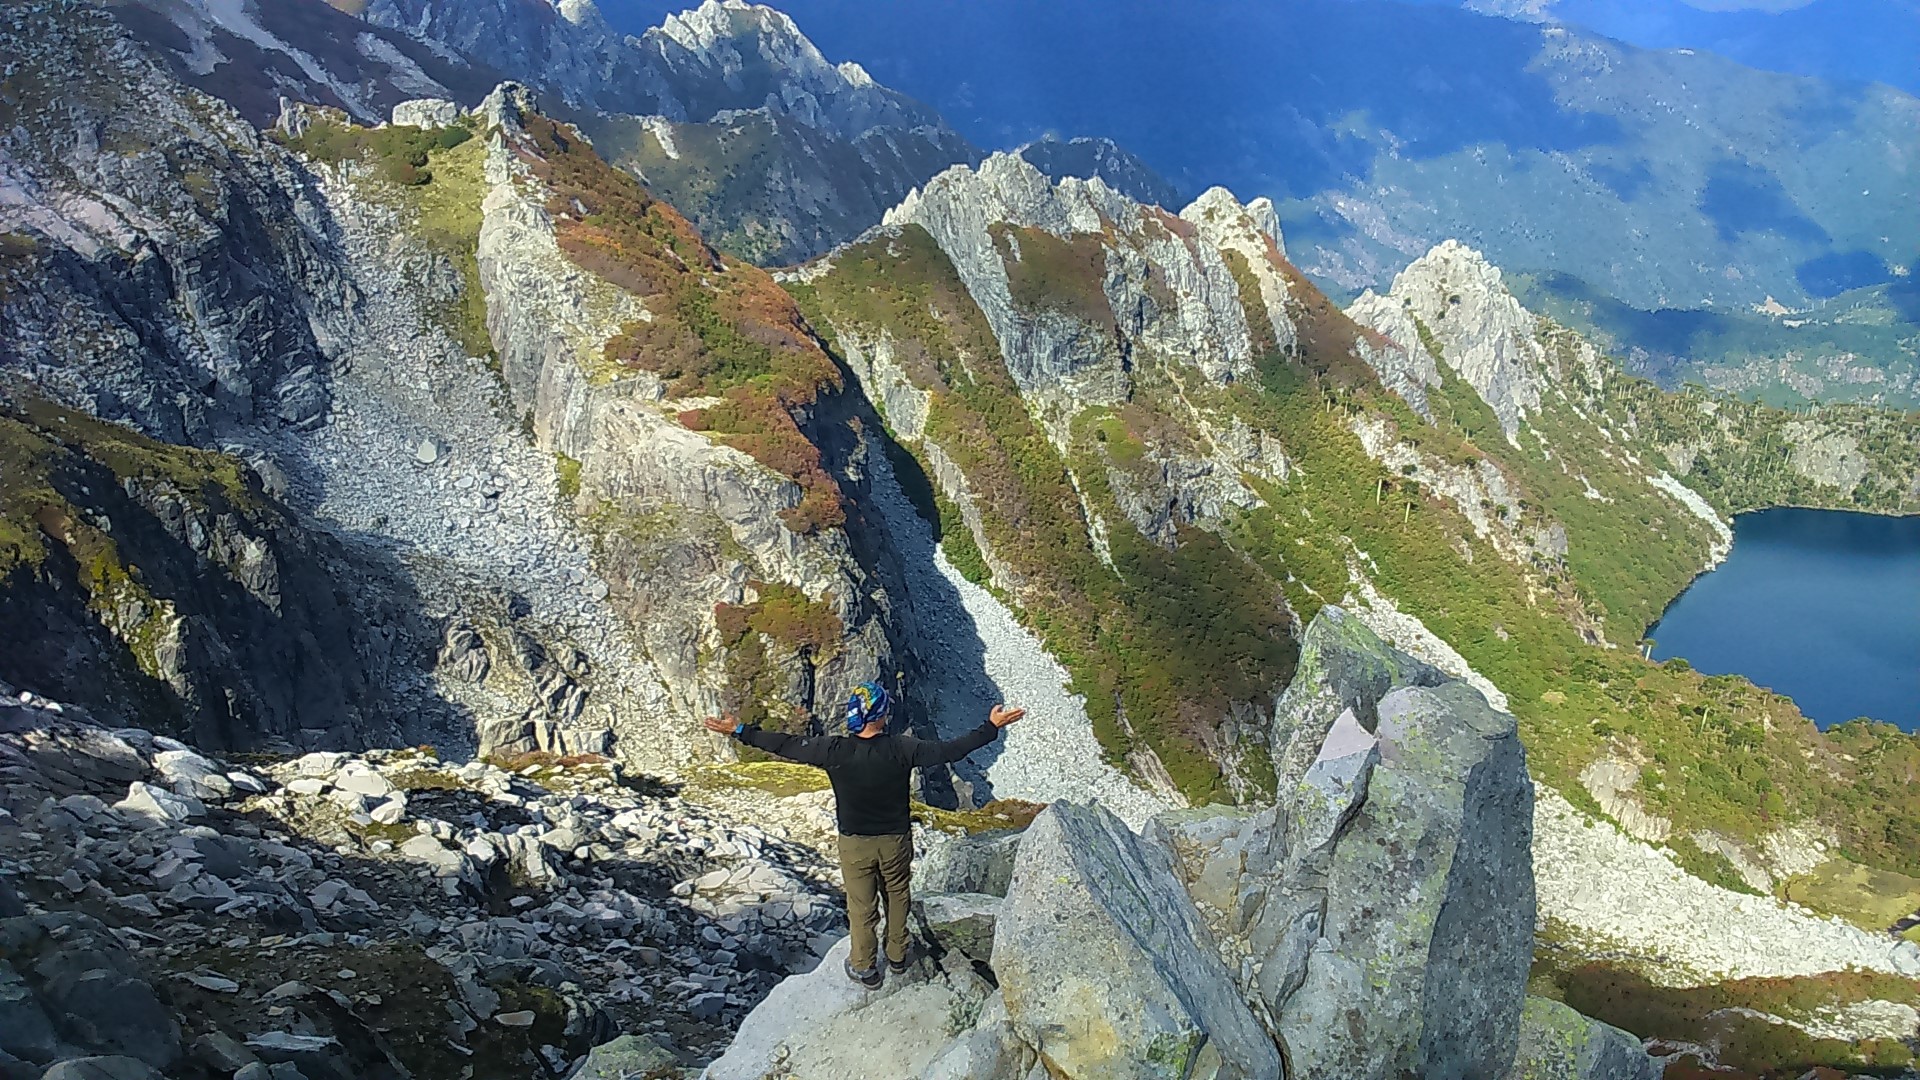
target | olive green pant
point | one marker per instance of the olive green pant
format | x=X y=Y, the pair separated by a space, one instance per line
x=876 y=866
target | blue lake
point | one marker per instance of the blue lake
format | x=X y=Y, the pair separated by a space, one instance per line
x=1820 y=605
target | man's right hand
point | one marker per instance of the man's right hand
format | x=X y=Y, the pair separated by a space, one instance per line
x=721 y=725
x=1001 y=716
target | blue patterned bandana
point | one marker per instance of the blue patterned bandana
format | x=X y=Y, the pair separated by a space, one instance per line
x=869 y=704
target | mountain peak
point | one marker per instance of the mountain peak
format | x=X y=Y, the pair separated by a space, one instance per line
x=1218 y=204
x=1452 y=303
x=715 y=21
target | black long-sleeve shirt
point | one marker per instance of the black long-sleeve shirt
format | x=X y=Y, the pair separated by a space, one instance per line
x=869 y=776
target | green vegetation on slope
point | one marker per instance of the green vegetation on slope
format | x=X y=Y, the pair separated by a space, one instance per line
x=1742 y=455
x=717 y=175
x=399 y=154
x=1855 y=347
x=1723 y=754
x=1048 y=273
x=1720 y=754
x=1874 y=900
x=1162 y=642
x=781 y=619
x=40 y=445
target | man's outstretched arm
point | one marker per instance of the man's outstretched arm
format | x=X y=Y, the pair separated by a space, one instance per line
x=952 y=750
x=805 y=749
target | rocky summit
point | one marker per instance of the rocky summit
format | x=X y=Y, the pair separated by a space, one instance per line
x=415 y=417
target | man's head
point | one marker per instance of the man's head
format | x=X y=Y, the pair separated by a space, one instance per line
x=868 y=710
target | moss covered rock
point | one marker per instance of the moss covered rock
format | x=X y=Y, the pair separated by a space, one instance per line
x=1557 y=1043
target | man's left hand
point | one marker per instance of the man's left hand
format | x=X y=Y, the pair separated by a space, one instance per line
x=721 y=725
x=1001 y=716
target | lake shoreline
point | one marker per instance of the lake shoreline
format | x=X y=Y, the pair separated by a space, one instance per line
x=1802 y=570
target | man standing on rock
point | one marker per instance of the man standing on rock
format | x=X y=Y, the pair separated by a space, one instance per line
x=870 y=773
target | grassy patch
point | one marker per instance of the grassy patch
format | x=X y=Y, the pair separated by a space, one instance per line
x=1871 y=899
x=782 y=622
x=1709 y=866
x=1251 y=301
x=566 y=476
x=780 y=779
x=535 y=761
x=44 y=449
x=718 y=175
x=449 y=223
x=1050 y=273
x=427 y=780
x=956 y=539
x=993 y=817
x=398 y=154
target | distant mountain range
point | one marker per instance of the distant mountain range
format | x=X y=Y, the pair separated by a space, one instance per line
x=1849 y=40
x=1665 y=180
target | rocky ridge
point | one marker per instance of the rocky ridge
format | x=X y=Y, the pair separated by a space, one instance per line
x=297 y=321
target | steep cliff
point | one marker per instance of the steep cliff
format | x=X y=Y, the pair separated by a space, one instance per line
x=443 y=347
x=161 y=584
x=692 y=405
x=1074 y=475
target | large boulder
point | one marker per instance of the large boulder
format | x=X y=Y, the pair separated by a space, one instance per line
x=629 y=1057
x=102 y=1068
x=962 y=922
x=991 y=1051
x=1374 y=923
x=1380 y=915
x=84 y=980
x=1107 y=968
x=1557 y=1043
x=25 y=1030
x=1343 y=666
x=1428 y=930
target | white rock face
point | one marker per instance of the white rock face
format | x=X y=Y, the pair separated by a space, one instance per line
x=1611 y=782
x=425 y=113
x=1401 y=359
x=158 y=806
x=1483 y=332
x=1700 y=508
x=1633 y=899
x=1825 y=457
x=1253 y=232
x=1060 y=360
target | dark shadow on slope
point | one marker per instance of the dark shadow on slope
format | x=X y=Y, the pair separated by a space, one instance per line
x=240 y=627
x=894 y=530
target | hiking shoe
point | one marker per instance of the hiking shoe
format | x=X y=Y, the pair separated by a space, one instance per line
x=900 y=967
x=869 y=978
